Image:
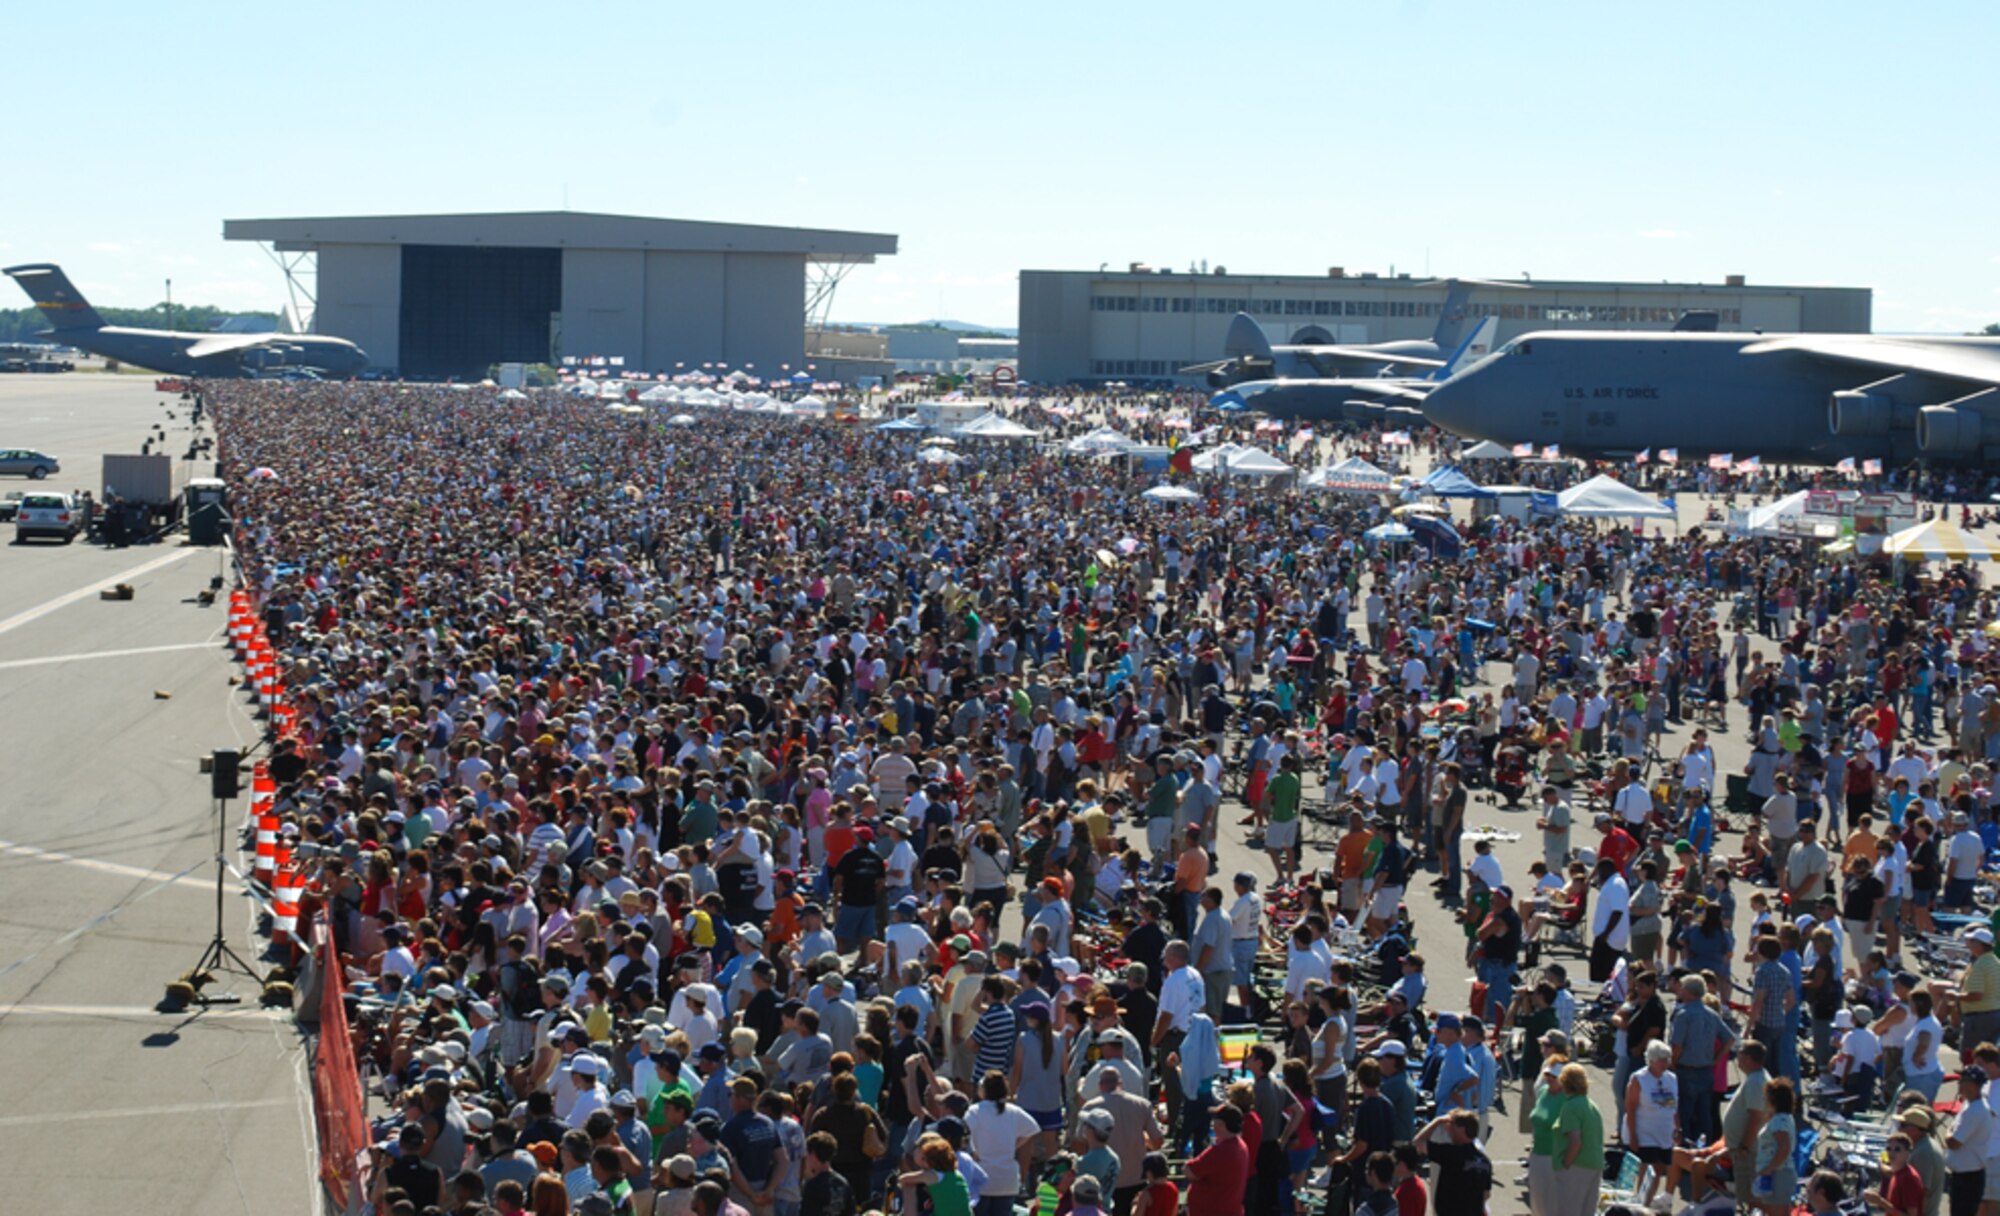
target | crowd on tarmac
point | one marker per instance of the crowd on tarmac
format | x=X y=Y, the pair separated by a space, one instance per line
x=753 y=818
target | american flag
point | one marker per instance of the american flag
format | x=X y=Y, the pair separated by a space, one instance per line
x=1721 y=461
x=1670 y=455
x=1552 y=452
x=1845 y=466
x=1396 y=438
x=1524 y=449
x=1645 y=454
x=1871 y=468
x=1749 y=464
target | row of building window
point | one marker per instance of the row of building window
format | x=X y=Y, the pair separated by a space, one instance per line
x=1135 y=367
x=1615 y=314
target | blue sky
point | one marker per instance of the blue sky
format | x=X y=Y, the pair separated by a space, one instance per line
x=1832 y=143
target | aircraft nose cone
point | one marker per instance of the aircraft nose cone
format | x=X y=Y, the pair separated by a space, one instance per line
x=1451 y=405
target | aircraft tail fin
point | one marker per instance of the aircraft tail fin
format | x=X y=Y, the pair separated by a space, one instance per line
x=53 y=293
x=1246 y=339
x=1476 y=346
x=1455 y=318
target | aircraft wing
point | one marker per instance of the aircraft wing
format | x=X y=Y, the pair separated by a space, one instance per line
x=1363 y=354
x=1389 y=388
x=1980 y=364
x=222 y=344
x=1202 y=369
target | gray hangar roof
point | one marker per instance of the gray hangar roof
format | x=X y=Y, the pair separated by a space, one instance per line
x=562 y=230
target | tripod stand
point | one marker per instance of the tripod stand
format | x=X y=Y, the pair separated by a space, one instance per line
x=218 y=954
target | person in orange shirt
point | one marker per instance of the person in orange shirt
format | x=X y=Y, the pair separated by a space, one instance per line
x=783 y=924
x=1190 y=879
x=1350 y=864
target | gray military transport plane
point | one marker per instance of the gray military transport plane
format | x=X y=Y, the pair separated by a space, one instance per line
x=1802 y=398
x=77 y=324
x=1387 y=400
x=1249 y=356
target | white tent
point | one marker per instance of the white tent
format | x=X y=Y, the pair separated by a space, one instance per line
x=995 y=426
x=681 y=420
x=1210 y=460
x=512 y=394
x=1607 y=497
x=809 y=404
x=1939 y=540
x=1771 y=518
x=1170 y=494
x=939 y=456
x=1486 y=449
x=1099 y=442
x=661 y=393
x=1254 y=462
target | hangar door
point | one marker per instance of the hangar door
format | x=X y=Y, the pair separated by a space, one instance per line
x=466 y=307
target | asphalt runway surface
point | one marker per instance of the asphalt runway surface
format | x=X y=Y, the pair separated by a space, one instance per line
x=107 y=874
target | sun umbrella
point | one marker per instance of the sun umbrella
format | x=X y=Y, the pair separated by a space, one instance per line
x=1170 y=494
x=262 y=473
x=1128 y=546
x=938 y=456
x=1389 y=533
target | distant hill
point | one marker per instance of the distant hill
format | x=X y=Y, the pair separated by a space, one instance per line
x=967 y=328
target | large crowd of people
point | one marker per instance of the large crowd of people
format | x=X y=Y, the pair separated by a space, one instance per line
x=753 y=817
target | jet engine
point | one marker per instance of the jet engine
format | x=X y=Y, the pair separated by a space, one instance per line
x=1402 y=415
x=1858 y=412
x=1945 y=431
x=1366 y=413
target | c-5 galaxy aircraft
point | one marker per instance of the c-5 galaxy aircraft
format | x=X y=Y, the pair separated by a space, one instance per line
x=1390 y=400
x=1248 y=354
x=1804 y=398
x=186 y=354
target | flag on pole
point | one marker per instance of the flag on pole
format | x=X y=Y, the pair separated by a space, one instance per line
x=1524 y=449
x=1871 y=468
x=1645 y=454
x=1845 y=466
x=1749 y=464
x=1721 y=461
x=1670 y=455
x=1552 y=452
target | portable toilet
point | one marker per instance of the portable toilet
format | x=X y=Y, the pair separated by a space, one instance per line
x=207 y=510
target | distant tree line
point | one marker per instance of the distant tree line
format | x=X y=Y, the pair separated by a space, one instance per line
x=22 y=324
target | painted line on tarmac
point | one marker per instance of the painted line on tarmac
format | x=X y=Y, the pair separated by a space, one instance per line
x=39 y=611
x=10 y=664
x=140 y=1112
x=193 y=1013
x=30 y=852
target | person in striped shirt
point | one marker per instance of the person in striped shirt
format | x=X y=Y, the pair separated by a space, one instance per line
x=995 y=1034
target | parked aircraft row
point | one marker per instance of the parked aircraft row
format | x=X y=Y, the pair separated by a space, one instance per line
x=1798 y=398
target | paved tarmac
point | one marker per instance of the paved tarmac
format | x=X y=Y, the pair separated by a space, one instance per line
x=107 y=840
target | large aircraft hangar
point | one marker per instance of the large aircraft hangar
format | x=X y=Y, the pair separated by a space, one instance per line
x=449 y=295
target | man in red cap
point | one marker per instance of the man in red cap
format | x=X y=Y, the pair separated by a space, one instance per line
x=857 y=881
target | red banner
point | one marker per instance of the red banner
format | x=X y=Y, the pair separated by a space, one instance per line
x=339 y=1107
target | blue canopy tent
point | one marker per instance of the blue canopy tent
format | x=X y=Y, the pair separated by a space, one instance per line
x=1435 y=535
x=1446 y=481
x=906 y=423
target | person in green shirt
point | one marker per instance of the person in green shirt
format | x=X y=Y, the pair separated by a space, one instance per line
x=1163 y=799
x=1281 y=834
x=939 y=1178
x=1542 y=1140
x=1578 y=1146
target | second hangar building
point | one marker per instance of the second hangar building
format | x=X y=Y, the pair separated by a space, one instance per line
x=1147 y=324
x=450 y=295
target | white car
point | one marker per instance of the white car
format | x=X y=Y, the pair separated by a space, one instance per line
x=47 y=515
